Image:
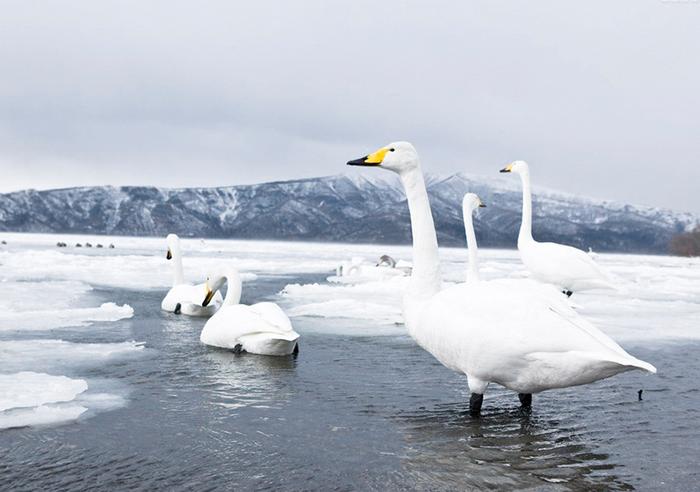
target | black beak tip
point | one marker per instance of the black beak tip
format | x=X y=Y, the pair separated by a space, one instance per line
x=482 y=205
x=358 y=162
x=504 y=170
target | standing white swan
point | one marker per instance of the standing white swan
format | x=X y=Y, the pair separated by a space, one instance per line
x=566 y=267
x=527 y=287
x=470 y=203
x=184 y=298
x=260 y=328
x=485 y=330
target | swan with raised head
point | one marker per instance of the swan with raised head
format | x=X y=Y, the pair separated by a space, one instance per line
x=470 y=203
x=488 y=332
x=260 y=328
x=184 y=298
x=564 y=266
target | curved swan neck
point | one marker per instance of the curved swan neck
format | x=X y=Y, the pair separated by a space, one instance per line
x=425 y=277
x=526 y=224
x=473 y=269
x=233 y=289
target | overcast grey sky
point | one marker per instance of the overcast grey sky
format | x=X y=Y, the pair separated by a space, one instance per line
x=601 y=97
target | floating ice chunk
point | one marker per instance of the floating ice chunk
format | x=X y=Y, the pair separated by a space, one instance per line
x=41 y=415
x=23 y=296
x=62 y=318
x=32 y=389
x=50 y=354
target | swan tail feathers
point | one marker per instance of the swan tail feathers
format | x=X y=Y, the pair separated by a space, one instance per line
x=632 y=363
x=645 y=366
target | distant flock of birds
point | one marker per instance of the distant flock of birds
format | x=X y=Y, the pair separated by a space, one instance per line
x=62 y=244
x=520 y=333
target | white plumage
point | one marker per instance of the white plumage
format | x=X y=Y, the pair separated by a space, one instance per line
x=187 y=296
x=564 y=266
x=261 y=328
x=492 y=331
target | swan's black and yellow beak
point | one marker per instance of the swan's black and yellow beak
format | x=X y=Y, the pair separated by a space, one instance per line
x=482 y=205
x=508 y=168
x=168 y=255
x=208 y=297
x=373 y=159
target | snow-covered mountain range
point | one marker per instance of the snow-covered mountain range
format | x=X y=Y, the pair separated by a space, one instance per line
x=351 y=208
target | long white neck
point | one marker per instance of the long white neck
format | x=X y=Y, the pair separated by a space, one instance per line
x=473 y=269
x=233 y=289
x=526 y=224
x=425 y=277
x=178 y=274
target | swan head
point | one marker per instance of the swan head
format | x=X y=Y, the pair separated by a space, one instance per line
x=471 y=202
x=517 y=167
x=396 y=156
x=215 y=282
x=173 y=243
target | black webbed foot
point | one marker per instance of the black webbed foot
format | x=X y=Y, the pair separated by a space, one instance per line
x=238 y=348
x=178 y=308
x=296 y=349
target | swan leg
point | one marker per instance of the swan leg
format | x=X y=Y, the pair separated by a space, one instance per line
x=475 y=402
x=296 y=349
x=525 y=400
x=477 y=388
x=178 y=308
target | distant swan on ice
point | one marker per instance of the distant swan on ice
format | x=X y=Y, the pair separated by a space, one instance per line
x=566 y=267
x=260 y=328
x=385 y=268
x=184 y=298
x=492 y=333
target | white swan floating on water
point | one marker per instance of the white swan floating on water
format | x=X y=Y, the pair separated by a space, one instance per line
x=261 y=328
x=185 y=298
x=567 y=267
x=492 y=333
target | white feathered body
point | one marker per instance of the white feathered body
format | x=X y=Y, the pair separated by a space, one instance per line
x=564 y=266
x=501 y=334
x=261 y=328
x=190 y=298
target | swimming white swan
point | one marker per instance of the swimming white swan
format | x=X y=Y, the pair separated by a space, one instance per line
x=260 y=328
x=489 y=332
x=185 y=298
x=566 y=267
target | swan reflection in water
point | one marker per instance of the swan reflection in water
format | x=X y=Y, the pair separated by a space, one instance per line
x=242 y=380
x=511 y=449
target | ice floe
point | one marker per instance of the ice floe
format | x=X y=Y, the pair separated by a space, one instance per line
x=63 y=318
x=30 y=398
x=48 y=354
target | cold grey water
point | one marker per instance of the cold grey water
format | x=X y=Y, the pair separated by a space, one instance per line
x=361 y=407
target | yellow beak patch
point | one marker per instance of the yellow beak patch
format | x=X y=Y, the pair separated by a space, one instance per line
x=376 y=157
